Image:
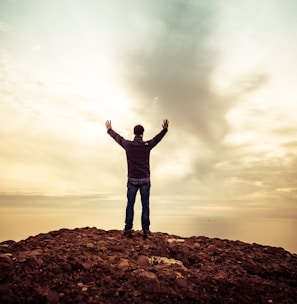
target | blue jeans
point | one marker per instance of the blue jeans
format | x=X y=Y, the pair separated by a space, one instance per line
x=133 y=185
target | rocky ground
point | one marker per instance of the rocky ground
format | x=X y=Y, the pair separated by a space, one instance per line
x=88 y=265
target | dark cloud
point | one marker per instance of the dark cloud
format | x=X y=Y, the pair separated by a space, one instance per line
x=177 y=68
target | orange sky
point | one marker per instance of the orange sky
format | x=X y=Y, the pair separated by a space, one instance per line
x=223 y=76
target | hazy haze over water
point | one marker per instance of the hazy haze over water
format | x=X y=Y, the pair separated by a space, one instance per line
x=22 y=217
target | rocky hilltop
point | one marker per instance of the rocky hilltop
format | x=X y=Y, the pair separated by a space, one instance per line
x=89 y=265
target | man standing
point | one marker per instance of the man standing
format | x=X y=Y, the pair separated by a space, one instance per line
x=138 y=161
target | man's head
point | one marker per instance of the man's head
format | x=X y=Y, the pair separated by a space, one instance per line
x=138 y=130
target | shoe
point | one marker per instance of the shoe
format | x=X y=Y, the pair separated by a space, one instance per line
x=128 y=232
x=146 y=233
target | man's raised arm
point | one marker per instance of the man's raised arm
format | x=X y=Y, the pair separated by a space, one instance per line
x=153 y=142
x=117 y=137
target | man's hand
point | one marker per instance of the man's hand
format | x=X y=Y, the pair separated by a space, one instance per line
x=165 y=124
x=108 y=124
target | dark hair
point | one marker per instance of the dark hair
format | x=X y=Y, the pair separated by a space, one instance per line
x=138 y=130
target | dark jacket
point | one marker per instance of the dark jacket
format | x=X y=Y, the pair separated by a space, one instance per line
x=137 y=152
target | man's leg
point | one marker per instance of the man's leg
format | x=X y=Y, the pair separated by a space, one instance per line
x=145 y=201
x=131 y=195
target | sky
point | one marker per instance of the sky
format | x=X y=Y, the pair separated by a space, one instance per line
x=222 y=73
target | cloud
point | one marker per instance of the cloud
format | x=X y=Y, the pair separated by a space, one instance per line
x=248 y=175
x=168 y=54
x=171 y=71
x=49 y=138
x=4 y=27
x=251 y=82
x=177 y=68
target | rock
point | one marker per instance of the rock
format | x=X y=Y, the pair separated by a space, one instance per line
x=88 y=265
x=52 y=297
x=157 y=260
x=5 y=260
x=143 y=260
x=181 y=282
x=124 y=264
x=149 y=281
x=6 y=268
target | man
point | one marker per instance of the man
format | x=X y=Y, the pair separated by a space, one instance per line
x=138 y=161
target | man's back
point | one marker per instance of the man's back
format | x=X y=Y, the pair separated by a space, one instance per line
x=138 y=152
x=138 y=158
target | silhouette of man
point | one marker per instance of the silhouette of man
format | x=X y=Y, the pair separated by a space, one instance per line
x=138 y=161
